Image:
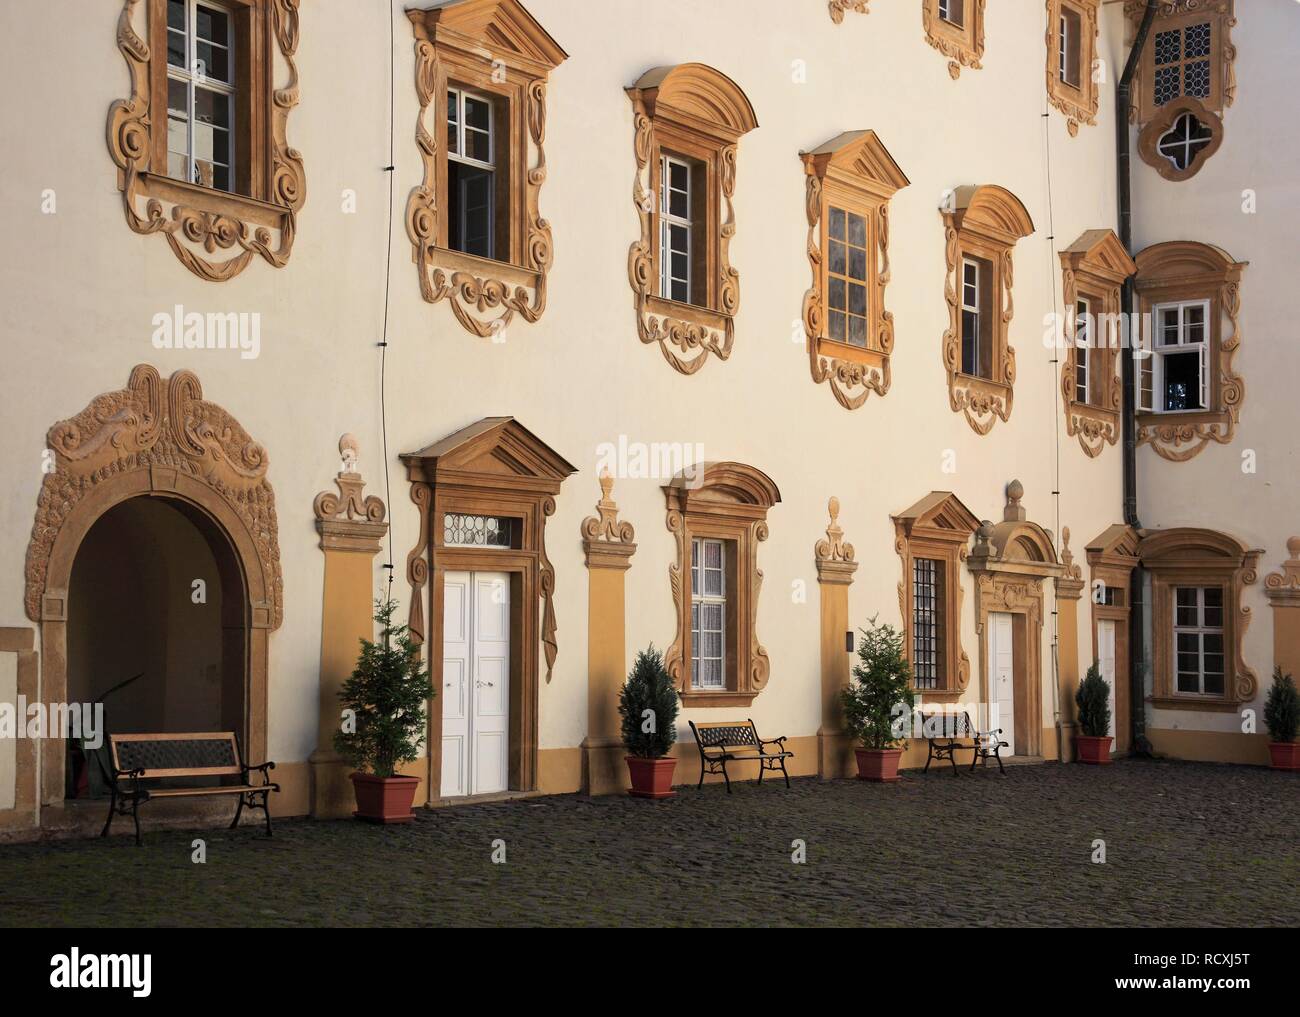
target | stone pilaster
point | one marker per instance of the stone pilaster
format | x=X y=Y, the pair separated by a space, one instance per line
x=1069 y=589
x=1283 y=592
x=833 y=557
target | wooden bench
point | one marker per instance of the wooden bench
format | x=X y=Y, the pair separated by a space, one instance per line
x=954 y=728
x=731 y=741
x=141 y=757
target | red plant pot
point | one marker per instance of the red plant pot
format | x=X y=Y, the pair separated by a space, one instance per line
x=1285 y=755
x=1089 y=749
x=878 y=764
x=651 y=778
x=384 y=799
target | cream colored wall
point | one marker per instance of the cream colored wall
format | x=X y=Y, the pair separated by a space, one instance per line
x=579 y=377
x=1213 y=490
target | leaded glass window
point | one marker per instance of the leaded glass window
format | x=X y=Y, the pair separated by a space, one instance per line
x=464 y=530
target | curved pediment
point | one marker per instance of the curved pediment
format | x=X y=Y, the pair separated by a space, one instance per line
x=988 y=208
x=1189 y=543
x=736 y=483
x=701 y=93
x=1177 y=260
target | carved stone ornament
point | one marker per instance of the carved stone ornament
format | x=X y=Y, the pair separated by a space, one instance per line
x=1069 y=584
x=855 y=172
x=1078 y=103
x=498 y=48
x=1283 y=588
x=963 y=45
x=202 y=222
x=349 y=520
x=834 y=555
x=1186 y=270
x=606 y=540
x=984 y=222
x=839 y=7
x=1094 y=268
x=167 y=430
x=701 y=113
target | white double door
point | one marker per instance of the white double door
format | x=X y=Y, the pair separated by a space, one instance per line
x=1106 y=664
x=475 y=683
x=1002 y=685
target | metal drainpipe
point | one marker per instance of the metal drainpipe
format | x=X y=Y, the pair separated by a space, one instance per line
x=1137 y=606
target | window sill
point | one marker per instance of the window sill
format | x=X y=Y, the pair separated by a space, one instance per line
x=1172 y=417
x=1187 y=701
x=853 y=354
x=702 y=698
x=1093 y=410
x=938 y=695
x=208 y=199
x=484 y=268
x=693 y=313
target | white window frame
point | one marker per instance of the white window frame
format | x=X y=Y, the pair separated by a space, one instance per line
x=1066 y=43
x=1083 y=352
x=700 y=598
x=459 y=156
x=667 y=220
x=1155 y=399
x=971 y=263
x=190 y=77
x=1200 y=630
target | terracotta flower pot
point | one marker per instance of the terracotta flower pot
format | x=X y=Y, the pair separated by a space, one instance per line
x=1089 y=749
x=384 y=799
x=878 y=764
x=1285 y=755
x=651 y=778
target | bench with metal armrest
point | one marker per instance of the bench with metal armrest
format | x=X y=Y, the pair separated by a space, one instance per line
x=734 y=741
x=949 y=730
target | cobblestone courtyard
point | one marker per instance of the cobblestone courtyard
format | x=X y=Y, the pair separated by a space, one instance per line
x=1186 y=844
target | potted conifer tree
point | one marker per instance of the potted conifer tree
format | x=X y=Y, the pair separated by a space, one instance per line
x=384 y=702
x=648 y=706
x=1282 y=716
x=878 y=702
x=1093 y=700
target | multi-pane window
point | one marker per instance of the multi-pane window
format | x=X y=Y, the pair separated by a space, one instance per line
x=1184 y=139
x=927 y=622
x=1070 y=30
x=200 y=94
x=1082 y=350
x=953 y=11
x=976 y=328
x=466 y=530
x=1198 y=639
x=846 y=289
x=675 y=229
x=471 y=173
x=1182 y=62
x=1175 y=377
x=708 y=613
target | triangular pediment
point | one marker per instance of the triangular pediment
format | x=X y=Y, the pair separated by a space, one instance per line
x=1116 y=539
x=858 y=157
x=940 y=510
x=1100 y=253
x=502 y=26
x=495 y=447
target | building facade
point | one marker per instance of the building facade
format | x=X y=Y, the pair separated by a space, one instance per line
x=720 y=327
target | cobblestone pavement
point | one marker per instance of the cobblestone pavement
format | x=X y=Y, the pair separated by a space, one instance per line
x=1186 y=844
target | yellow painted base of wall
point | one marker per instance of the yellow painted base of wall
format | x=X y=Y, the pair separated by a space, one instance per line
x=559 y=771
x=1210 y=746
x=835 y=755
x=604 y=771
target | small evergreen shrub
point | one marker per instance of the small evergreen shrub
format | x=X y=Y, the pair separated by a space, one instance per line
x=1093 y=700
x=1282 y=708
x=878 y=702
x=648 y=705
x=387 y=693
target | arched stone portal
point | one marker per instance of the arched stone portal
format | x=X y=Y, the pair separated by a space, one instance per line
x=158 y=439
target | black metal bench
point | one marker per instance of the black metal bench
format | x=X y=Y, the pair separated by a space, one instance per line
x=949 y=730
x=141 y=757
x=733 y=741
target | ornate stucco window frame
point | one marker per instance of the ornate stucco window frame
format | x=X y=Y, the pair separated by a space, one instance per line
x=1152 y=120
x=853 y=171
x=983 y=222
x=497 y=48
x=729 y=502
x=1187 y=556
x=1187 y=270
x=1094 y=268
x=963 y=45
x=696 y=111
x=838 y=8
x=1078 y=103
x=938 y=526
x=203 y=222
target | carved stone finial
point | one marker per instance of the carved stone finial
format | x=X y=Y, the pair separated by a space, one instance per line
x=350 y=520
x=834 y=555
x=607 y=541
x=1014 y=512
x=1069 y=583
